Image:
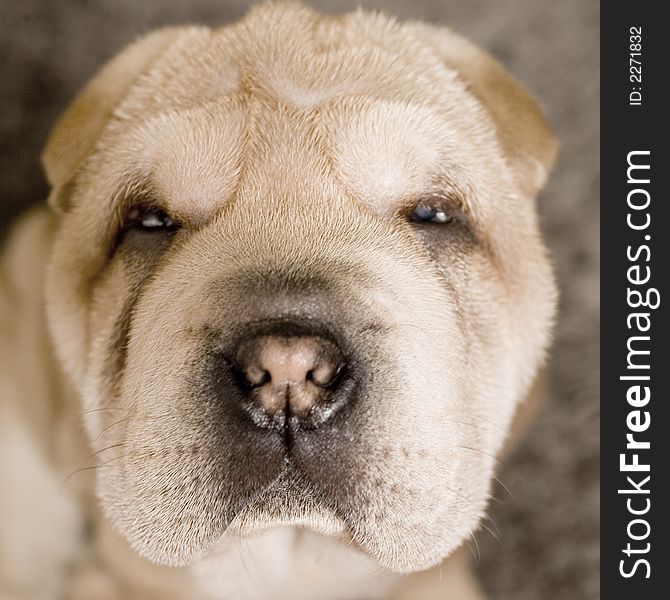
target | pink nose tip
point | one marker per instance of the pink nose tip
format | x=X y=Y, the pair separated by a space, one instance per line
x=290 y=373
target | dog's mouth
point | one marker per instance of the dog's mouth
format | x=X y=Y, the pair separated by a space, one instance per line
x=289 y=501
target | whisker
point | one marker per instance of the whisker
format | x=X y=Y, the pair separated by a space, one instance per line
x=479 y=554
x=493 y=524
x=100 y=409
x=504 y=487
x=84 y=469
x=483 y=453
x=242 y=545
x=106 y=448
x=489 y=422
x=469 y=546
x=493 y=535
x=110 y=426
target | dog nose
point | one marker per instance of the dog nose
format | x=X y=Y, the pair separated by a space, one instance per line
x=289 y=376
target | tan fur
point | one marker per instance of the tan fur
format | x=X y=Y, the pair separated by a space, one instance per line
x=290 y=146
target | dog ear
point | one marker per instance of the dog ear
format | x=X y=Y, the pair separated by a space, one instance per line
x=79 y=128
x=527 y=140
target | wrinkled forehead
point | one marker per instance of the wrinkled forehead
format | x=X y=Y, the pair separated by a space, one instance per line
x=303 y=59
x=219 y=115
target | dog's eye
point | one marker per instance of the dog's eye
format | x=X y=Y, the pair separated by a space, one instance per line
x=426 y=213
x=147 y=218
x=145 y=227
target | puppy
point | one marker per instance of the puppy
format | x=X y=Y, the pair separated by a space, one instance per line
x=295 y=289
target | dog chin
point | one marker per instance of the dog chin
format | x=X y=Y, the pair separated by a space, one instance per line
x=275 y=544
x=282 y=506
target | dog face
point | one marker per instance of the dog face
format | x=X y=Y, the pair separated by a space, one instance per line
x=299 y=281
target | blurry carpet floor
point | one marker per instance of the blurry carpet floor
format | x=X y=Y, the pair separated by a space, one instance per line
x=548 y=522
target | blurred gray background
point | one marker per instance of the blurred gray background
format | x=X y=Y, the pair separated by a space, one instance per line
x=548 y=521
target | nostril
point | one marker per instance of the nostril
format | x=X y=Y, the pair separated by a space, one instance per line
x=327 y=379
x=249 y=378
x=258 y=378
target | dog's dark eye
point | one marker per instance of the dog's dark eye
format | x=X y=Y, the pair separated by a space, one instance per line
x=145 y=227
x=147 y=218
x=427 y=213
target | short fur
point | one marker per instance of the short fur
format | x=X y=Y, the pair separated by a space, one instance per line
x=291 y=147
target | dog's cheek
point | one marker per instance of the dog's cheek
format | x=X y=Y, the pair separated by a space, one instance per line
x=114 y=296
x=461 y=416
x=488 y=297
